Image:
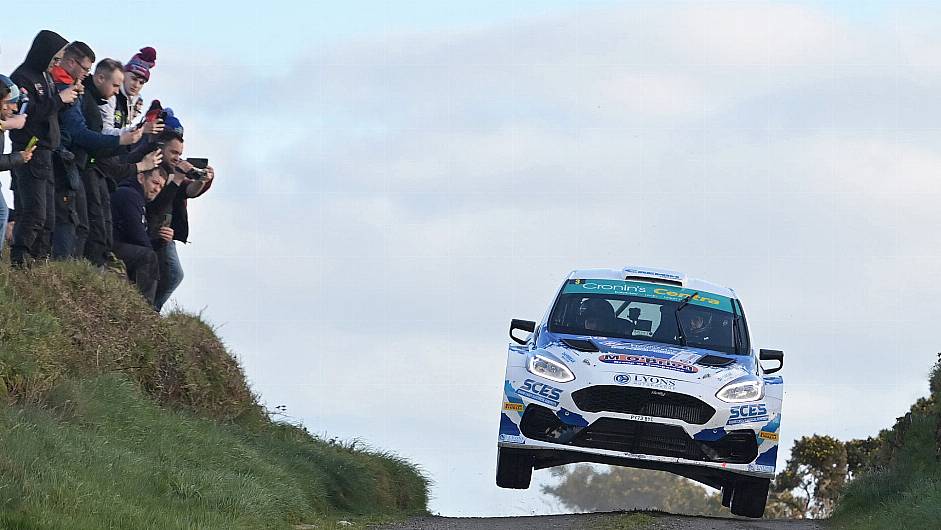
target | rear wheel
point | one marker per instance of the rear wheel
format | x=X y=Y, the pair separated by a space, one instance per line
x=514 y=468
x=750 y=496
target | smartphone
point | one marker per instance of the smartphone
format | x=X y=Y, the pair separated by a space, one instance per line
x=32 y=143
x=198 y=163
x=23 y=107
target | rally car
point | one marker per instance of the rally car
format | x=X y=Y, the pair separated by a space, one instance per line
x=644 y=368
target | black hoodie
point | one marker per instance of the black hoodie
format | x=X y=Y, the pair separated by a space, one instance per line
x=42 y=119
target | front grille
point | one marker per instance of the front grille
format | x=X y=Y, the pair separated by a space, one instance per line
x=639 y=437
x=644 y=401
x=540 y=423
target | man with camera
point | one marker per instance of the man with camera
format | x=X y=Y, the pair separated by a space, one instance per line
x=186 y=181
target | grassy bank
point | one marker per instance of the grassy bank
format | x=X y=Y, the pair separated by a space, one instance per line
x=114 y=417
x=902 y=486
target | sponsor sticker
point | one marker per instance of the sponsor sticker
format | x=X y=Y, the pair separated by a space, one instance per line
x=517 y=407
x=647 y=381
x=760 y=468
x=770 y=436
x=649 y=290
x=748 y=414
x=512 y=438
x=641 y=360
x=541 y=392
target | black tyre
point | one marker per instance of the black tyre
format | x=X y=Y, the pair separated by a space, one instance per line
x=514 y=469
x=749 y=497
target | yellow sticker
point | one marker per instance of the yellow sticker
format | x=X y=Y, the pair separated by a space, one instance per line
x=518 y=407
x=772 y=436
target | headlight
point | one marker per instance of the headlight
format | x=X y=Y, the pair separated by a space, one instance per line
x=550 y=369
x=742 y=390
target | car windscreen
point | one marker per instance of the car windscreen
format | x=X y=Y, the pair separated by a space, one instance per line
x=648 y=312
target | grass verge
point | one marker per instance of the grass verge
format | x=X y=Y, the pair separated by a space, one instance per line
x=114 y=417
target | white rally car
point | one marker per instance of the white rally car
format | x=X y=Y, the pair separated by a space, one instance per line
x=645 y=368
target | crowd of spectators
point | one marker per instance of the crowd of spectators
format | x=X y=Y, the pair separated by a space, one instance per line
x=94 y=176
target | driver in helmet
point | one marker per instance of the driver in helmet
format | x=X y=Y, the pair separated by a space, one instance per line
x=698 y=324
x=595 y=314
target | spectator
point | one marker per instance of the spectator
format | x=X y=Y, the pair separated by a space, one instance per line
x=171 y=206
x=125 y=106
x=131 y=242
x=82 y=135
x=34 y=195
x=9 y=99
x=71 y=211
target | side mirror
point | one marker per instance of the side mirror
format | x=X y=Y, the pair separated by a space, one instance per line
x=522 y=325
x=772 y=355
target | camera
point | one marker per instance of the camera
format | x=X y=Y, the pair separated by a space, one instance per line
x=199 y=168
x=196 y=173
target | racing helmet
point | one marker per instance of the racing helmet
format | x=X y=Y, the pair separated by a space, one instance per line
x=697 y=322
x=595 y=314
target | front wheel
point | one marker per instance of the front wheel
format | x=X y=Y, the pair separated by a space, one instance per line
x=514 y=468
x=750 y=496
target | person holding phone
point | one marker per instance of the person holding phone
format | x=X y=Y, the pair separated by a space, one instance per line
x=34 y=194
x=9 y=100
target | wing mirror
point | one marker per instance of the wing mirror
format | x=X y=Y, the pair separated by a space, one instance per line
x=522 y=325
x=772 y=355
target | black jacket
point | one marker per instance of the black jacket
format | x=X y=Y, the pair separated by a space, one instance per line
x=44 y=102
x=8 y=162
x=128 y=213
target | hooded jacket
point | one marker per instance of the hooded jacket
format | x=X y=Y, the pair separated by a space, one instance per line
x=8 y=162
x=129 y=214
x=44 y=102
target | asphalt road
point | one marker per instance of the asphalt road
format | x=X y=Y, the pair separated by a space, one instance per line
x=599 y=521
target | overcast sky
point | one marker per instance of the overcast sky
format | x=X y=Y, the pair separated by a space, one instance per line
x=399 y=180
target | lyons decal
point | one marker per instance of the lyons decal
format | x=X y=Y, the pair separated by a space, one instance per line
x=641 y=360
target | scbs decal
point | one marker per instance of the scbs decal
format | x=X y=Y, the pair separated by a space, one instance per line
x=541 y=392
x=747 y=413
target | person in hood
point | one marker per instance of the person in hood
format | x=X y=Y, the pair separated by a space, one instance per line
x=71 y=214
x=34 y=195
x=132 y=243
x=9 y=100
x=122 y=110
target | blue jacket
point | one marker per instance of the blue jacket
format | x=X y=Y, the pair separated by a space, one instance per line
x=129 y=214
x=81 y=136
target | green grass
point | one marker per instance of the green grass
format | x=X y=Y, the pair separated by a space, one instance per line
x=114 y=417
x=906 y=492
